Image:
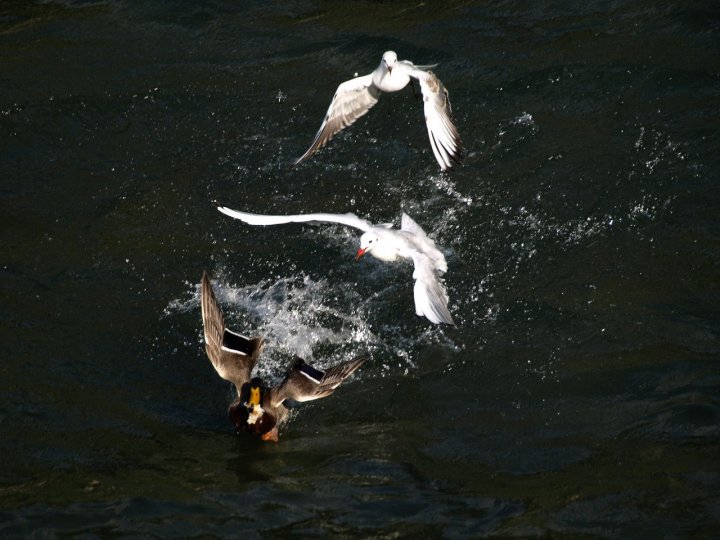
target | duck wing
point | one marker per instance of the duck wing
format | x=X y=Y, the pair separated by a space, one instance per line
x=305 y=383
x=232 y=355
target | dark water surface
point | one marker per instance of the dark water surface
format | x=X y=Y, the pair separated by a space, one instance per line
x=578 y=395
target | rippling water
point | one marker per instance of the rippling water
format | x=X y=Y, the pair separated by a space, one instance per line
x=578 y=395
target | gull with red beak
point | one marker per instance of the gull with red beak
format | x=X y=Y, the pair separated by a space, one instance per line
x=386 y=244
x=354 y=98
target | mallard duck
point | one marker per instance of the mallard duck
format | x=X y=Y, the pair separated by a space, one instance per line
x=258 y=408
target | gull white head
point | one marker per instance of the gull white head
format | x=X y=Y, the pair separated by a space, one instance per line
x=367 y=241
x=380 y=247
x=389 y=59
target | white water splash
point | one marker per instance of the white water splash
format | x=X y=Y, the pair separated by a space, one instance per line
x=322 y=322
x=443 y=184
x=525 y=119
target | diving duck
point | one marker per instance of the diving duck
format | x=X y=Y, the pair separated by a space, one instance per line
x=258 y=408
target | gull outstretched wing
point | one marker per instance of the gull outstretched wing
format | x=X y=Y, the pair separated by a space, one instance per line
x=352 y=99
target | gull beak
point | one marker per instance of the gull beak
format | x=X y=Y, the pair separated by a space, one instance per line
x=389 y=69
x=360 y=253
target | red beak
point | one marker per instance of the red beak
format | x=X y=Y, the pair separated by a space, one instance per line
x=360 y=253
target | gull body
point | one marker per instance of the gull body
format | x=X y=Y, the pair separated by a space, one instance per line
x=258 y=408
x=386 y=244
x=393 y=75
x=354 y=98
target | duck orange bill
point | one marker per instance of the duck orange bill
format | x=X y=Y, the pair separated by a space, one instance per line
x=360 y=253
x=271 y=435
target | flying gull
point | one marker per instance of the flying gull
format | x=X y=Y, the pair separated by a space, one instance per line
x=386 y=244
x=355 y=97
